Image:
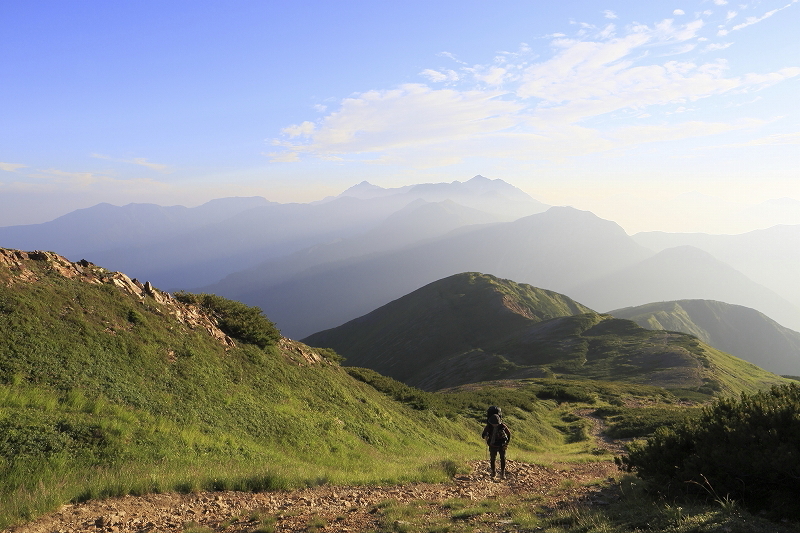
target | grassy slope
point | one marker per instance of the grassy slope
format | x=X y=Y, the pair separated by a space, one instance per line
x=450 y=316
x=103 y=393
x=474 y=327
x=735 y=329
x=600 y=347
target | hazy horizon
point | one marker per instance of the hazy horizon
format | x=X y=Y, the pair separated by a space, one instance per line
x=671 y=117
x=724 y=217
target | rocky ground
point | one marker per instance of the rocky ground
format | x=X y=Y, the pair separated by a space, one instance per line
x=330 y=508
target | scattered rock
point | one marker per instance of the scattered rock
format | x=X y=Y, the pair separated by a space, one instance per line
x=350 y=508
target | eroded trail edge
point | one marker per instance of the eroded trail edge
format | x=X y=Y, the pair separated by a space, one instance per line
x=339 y=508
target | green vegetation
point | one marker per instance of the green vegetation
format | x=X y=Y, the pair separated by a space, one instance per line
x=633 y=422
x=744 y=450
x=449 y=317
x=626 y=507
x=104 y=393
x=474 y=327
x=634 y=509
x=240 y=321
x=734 y=329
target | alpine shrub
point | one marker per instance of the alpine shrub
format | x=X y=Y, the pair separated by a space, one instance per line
x=745 y=449
x=238 y=320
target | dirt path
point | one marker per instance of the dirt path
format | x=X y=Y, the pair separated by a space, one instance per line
x=597 y=428
x=326 y=508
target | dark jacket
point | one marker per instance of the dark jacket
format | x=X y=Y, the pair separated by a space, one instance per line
x=502 y=437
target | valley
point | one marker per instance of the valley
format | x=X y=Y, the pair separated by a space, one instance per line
x=335 y=375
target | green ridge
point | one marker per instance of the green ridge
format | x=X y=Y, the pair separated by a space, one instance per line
x=734 y=329
x=474 y=327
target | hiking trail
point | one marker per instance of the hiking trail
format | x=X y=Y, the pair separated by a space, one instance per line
x=332 y=508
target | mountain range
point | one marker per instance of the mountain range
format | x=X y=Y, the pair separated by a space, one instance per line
x=769 y=256
x=178 y=247
x=315 y=266
x=734 y=329
x=474 y=327
x=563 y=249
x=679 y=273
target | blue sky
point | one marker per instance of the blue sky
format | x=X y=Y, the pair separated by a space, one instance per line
x=616 y=106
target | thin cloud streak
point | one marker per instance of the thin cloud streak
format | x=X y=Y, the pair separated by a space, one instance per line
x=11 y=167
x=141 y=161
x=517 y=108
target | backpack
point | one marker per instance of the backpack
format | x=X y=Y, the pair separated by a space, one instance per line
x=494 y=410
x=500 y=438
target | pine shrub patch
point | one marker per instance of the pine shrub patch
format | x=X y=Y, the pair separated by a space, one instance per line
x=744 y=449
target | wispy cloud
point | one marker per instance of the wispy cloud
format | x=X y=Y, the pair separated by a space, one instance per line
x=717 y=46
x=524 y=107
x=141 y=161
x=438 y=76
x=61 y=180
x=11 y=167
x=776 y=139
x=749 y=21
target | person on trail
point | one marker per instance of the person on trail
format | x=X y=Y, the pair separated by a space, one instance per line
x=497 y=436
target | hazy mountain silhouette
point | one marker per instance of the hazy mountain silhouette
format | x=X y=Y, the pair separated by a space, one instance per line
x=179 y=247
x=681 y=273
x=738 y=330
x=104 y=226
x=769 y=256
x=473 y=327
x=554 y=249
x=413 y=224
x=207 y=254
x=497 y=197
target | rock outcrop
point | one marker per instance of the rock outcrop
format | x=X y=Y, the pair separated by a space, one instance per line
x=17 y=266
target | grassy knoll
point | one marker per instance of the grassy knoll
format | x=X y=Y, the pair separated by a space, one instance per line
x=105 y=393
x=474 y=327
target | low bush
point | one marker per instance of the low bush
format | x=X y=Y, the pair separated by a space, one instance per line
x=238 y=320
x=745 y=449
x=639 y=422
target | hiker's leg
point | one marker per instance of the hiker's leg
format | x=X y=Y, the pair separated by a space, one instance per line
x=492 y=457
x=503 y=462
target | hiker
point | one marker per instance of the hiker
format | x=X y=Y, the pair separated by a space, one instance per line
x=497 y=436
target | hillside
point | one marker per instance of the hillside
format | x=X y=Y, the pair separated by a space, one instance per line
x=734 y=329
x=680 y=273
x=474 y=327
x=109 y=387
x=415 y=223
x=555 y=249
x=768 y=256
